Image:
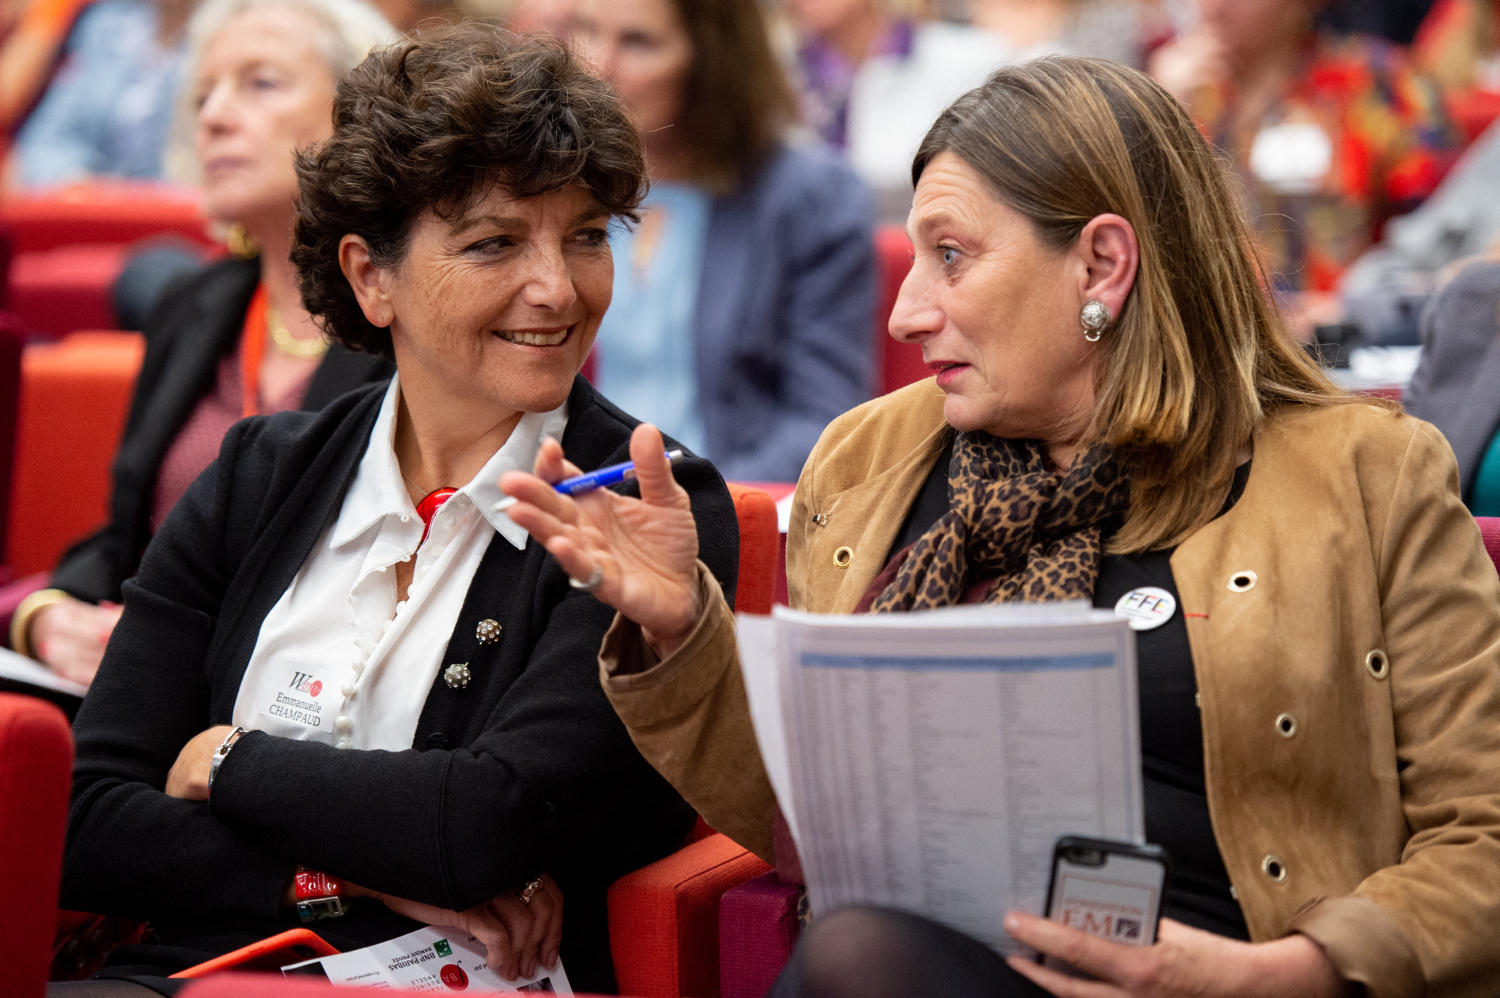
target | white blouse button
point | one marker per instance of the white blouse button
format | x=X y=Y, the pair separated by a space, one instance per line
x=348 y=689
x=343 y=722
x=344 y=743
x=405 y=517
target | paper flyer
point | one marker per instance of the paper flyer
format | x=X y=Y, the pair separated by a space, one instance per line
x=436 y=958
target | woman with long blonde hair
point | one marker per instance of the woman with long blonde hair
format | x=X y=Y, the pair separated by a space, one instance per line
x=1116 y=404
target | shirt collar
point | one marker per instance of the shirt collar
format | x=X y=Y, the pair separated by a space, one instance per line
x=379 y=492
x=518 y=454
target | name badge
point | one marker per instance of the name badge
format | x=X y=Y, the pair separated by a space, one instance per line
x=300 y=704
x=1146 y=608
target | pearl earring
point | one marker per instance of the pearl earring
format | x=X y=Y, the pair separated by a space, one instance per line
x=1095 y=316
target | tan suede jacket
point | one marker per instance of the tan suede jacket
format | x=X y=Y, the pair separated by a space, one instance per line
x=1344 y=621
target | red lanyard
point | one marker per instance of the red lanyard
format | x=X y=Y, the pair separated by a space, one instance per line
x=252 y=351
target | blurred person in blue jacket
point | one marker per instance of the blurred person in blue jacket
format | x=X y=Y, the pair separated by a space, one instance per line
x=743 y=309
x=108 y=109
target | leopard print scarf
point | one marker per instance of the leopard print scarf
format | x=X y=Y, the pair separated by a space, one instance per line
x=1039 y=534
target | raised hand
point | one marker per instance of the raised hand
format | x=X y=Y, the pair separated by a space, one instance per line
x=643 y=550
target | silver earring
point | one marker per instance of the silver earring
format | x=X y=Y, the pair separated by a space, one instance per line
x=1095 y=316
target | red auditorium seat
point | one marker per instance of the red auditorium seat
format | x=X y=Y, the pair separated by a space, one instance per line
x=69 y=246
x=74 y=398
x=900 y=363
x=664 y=918
x=760 y=548
x=291 y=946
x=1489 y=529
x=118 y=212
x=12 y=338
x=36 y=757
x=758 y=927
x=69 y=287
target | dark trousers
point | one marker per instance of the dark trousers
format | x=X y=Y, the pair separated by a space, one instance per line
x=880 y=953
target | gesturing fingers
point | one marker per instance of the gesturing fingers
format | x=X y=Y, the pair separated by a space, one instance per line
x=1099 y=958
x=1061 y=984
x=521 y=925
x=550 y=465
x=500 y=953
x=652 y=469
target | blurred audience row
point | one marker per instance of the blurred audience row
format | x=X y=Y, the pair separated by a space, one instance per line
x=777 y=137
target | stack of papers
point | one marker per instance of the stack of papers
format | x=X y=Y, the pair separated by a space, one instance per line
x=929 y=761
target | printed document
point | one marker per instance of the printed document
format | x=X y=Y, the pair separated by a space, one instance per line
x=20 y=669
x=436 y=958
x=929 y=761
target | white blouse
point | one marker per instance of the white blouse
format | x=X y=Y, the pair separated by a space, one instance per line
x=338 y=660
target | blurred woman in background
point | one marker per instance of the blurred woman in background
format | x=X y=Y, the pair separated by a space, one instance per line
x=1332 y=135
x=1104 y=29
x=872 y=76
x=744 y=300
x=108 y=107
x=232 y=339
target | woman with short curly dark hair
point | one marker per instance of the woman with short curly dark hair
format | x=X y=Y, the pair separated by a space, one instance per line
x=329 y=661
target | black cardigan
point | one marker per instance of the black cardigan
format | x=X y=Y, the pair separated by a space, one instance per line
x=526 y=770
x=198 y=320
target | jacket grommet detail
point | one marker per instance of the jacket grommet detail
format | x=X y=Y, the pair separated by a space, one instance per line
x=1241 y=582
x=457 y=675
x=1378 y=664
x=1273 y=867
x=843 y=556
x=1286 y=725
x=488 y=631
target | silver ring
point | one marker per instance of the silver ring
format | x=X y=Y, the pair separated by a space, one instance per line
x=596 y=577
x=529 y=891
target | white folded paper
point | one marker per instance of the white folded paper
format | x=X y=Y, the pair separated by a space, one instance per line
x=929 y=761
x=22 y=669
x=432 y=959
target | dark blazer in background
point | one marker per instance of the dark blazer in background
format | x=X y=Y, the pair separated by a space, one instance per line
x=785 y=333
x=525 y=770
x=198 y=320
x=1457 y=383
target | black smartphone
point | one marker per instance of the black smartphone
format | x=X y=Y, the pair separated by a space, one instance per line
x=1108 y=889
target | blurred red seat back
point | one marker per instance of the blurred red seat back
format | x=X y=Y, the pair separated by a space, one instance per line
x=74 y=398
x=900 y=363
x=36 y=757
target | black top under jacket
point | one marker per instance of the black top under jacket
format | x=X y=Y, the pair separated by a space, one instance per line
x=526 y=770
x=197 y=322
x=1176 y=797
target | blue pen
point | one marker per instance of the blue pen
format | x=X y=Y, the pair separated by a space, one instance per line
x=603 y=478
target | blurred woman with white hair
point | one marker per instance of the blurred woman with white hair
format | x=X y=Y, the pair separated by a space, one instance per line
x=230 y=339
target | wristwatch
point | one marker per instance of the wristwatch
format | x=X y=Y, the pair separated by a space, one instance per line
x=221 y=753
x=319 y=896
